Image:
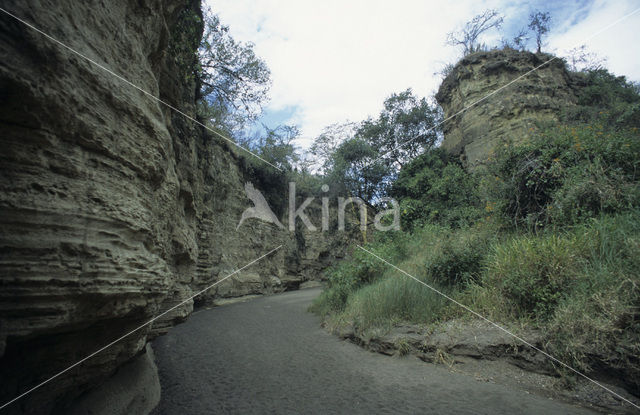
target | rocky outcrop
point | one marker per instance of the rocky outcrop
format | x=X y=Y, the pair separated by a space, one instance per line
x=508 y=114
x=113 y=207
x=134 y=389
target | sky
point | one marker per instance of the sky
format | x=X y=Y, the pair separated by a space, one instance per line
x=333 y=61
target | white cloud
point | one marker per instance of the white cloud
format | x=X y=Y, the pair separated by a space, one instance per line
x=338 y=60
x=620 y=43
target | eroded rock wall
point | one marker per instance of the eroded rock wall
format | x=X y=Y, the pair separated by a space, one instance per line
x=508 y=114
x=114 y=208
x=92 y=198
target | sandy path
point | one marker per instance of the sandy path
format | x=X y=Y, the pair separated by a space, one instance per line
x=269 y=355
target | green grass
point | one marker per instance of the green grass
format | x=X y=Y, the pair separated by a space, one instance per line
x=392 y=299
x=370 y=293
x=580 y=286
x=545 y=235
x=597 y=323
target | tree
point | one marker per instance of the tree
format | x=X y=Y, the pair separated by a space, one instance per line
x=435 y=187
x=539 y=24
x=365 y=158
x=325 y=145
x=520 y=39
x=234 y=81
x=467 y=37
x=581 y=59
x=518 y=42
x=356 y=167
x=277 y=146
x=404 y=128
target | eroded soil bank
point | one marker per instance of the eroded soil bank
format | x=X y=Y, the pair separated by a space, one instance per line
x=481 y=350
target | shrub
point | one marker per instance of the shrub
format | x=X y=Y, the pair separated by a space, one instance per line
x=360 y=269
x=435 y=188
x=611 y=98
x=538 y=273
x=598 y=324
x=370 y=292
x=565 y=174
x=393 y=299
x=535 y=273
x=580 y=286
x=453 y=258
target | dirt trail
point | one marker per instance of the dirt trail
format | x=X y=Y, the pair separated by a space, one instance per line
x=269 y=355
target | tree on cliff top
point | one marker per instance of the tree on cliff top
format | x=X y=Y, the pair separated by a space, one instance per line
x=539 y=24
x=234 y=81
x=468 y=36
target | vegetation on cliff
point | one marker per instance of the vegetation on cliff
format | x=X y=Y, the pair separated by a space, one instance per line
x=546 y=235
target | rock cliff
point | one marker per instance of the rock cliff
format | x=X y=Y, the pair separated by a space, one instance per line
x=508 y=114
x=113 y=207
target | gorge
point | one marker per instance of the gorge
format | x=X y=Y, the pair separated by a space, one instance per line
x=116 y=206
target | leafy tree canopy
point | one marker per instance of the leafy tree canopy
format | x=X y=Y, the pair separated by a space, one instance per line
x=365 y=157
x=404 y=128
x=539 y=23
x=234 y=81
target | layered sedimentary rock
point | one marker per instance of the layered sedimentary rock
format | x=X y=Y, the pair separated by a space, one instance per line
x=113 y=207
x=508 y=114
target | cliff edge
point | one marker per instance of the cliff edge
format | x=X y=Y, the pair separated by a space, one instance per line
x=506 y=114
x=113 y=207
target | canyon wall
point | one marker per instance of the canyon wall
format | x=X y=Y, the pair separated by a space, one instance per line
x=508 y=114
x=113 y=207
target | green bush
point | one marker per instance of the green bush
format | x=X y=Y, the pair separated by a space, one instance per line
x=580 y=286
x=453 y=258
x=538 y=272
x=535 y=273
x=598 y=323
x=610 y=98
x=360 y=269
x=435 y=188
x=565 y=174
x=366 y=289
x=395 y=298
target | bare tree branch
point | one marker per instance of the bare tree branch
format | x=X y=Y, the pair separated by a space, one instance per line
x=467 y=37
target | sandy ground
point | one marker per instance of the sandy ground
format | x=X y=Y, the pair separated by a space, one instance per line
x=269 y=355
